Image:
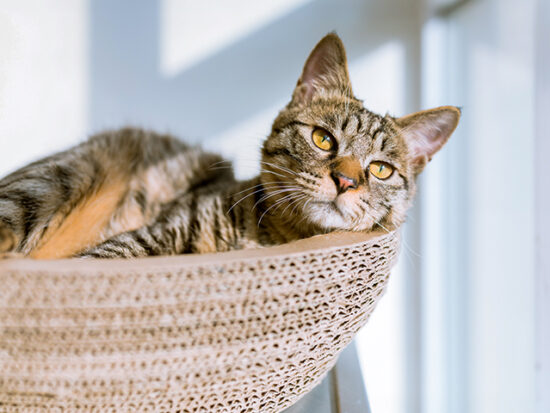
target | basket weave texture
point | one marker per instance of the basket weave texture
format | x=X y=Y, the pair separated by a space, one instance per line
x=244 y=331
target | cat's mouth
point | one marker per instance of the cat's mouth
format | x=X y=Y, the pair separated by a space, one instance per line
x=327 y=214
x=333 y=206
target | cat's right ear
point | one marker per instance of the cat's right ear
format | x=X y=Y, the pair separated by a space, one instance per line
x=426 y=132
x=325 y=71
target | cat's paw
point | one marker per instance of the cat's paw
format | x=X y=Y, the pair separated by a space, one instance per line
x=11 y=255
x=8 y=239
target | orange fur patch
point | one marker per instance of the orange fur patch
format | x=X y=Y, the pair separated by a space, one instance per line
x=83 y=226
x=350 y=167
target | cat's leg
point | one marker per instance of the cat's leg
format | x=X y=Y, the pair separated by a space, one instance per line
x=8 y=243
x=8 y=238
x=11 y=228
x=62 y=204
x=171 y=233
x=31 y=197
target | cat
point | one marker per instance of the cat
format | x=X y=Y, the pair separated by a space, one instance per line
x=328 y=164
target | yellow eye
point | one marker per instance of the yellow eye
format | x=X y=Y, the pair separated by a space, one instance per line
x=322 y=139
x=381 y=170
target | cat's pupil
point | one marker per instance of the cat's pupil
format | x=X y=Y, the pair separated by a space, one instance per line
x=381 y=168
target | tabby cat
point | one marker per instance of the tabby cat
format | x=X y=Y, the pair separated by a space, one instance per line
x=328 y=164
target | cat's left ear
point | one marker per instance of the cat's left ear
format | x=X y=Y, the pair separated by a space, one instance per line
x=325 y=71
x=427 y=131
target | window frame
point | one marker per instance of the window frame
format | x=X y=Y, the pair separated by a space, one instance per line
x=542 y=206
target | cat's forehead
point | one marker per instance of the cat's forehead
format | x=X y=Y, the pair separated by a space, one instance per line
x=359 y=132
x=350 y=122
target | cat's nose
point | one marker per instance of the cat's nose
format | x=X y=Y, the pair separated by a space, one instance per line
x=343 y=182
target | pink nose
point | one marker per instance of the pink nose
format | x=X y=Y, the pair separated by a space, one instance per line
x=343 y=182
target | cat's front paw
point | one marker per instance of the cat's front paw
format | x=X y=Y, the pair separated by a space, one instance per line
x=8 y=239
x=84 y=255
x=96 y=253
x=11 y=255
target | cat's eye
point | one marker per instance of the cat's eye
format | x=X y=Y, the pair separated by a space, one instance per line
x=381 y=170
x=323 y=140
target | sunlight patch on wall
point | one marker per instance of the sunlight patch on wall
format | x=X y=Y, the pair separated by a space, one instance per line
x=379 y=79
x=193 y=30
x=43 y=79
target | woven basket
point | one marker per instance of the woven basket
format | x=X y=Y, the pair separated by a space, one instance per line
x=243 y=331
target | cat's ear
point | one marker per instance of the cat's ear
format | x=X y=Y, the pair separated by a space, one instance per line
x=427 y=131
x=326 y=70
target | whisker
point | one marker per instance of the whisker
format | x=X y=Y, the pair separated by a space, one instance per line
x=274 y=173
x=246 y=196
x=295 y=202
x=282 y=168
x=220 y=162
x=304 y=207
x=220 y=167
x=243 y=198
x=267 y=184
x=403 y=242
x=274 y=205
x=274 y=193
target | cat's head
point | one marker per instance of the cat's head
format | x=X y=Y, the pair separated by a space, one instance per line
x=331 y=164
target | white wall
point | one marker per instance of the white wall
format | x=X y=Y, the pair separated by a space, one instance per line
x=542 y=200
x=43 y=78
x=500 y=98
x=480 y=293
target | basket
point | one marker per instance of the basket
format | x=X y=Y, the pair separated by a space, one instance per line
x=242 y=331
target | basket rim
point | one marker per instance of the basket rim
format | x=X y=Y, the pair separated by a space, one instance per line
x=324 y=242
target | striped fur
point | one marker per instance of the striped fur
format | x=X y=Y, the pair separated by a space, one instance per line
x=133 y=193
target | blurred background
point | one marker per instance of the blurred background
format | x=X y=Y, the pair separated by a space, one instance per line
x=465 y=324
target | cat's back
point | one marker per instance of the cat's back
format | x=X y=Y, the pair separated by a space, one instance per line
x=114 y=182
x=125 y=150
x=139 y=148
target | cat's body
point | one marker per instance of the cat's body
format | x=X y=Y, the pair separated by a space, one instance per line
x=121 y=181
x=328 y=164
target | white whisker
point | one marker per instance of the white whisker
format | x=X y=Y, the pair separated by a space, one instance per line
x=274 y=193
x=274 y=173
x=282 y=168
x=277 y=203
x=265 y=185
x=244 y=197
x=295 y=202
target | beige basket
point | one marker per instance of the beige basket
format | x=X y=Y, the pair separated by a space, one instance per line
x=243 y=331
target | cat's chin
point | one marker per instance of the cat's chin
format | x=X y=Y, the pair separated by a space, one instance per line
x=327 y=215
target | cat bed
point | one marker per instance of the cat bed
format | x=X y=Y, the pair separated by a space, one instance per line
x=242 y=331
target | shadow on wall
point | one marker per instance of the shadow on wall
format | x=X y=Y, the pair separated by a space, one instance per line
x=231 y=85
